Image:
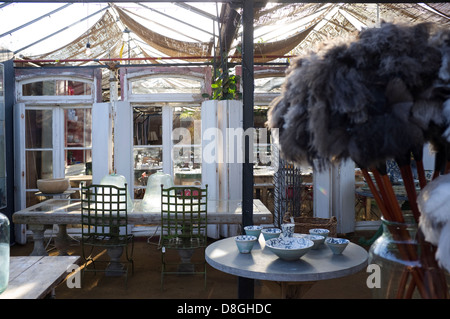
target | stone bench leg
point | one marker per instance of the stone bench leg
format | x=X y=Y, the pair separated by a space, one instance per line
x=38 y=238
x=63 y=240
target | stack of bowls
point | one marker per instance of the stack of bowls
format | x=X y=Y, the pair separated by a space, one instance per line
x=319 y=231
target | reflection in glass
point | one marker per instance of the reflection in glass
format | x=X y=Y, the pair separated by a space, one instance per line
x=38 y=129
x=56 y=87
x=186 y=127
x=147 y=140
x=187 y=151
x=162 y=84
x=147 y=125
x=78 y=162
x=39 y=165
x=187 y=165
x=268 y=84
x=77 y=127
x=78 y=141
x=147 y=161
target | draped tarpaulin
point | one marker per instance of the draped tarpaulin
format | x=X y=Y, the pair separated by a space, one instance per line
x=166 y=45
x=105 y=38
x=268 y=51
x=279 y=48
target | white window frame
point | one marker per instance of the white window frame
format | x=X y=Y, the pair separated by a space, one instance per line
x=81 y=99
x=57 y=104
x=166 y=100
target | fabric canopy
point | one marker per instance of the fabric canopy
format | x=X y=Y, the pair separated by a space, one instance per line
x=105 y=38
x=281 y=29
x=166 y=45
x=265 y=52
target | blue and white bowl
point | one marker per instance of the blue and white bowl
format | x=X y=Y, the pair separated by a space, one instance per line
x=270 y=233
x=316 y=239
x=288 y=230
x=245 y=243
x=319 y=231
x=253 y=230
x=291 y=248
x=337 y=245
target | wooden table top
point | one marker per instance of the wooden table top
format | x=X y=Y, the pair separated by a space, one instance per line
x=34 y=277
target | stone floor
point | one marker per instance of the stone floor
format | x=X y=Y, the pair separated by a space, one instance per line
x=145 y=282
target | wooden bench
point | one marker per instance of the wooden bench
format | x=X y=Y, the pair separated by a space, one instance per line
x=35 y=277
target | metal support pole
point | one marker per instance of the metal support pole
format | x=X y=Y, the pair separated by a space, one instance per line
x=246 y=285
x=247 y=96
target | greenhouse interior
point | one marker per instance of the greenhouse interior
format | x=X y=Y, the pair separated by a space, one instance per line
x=227 y=149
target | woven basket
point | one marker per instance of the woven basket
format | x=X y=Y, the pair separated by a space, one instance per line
x=304 y=224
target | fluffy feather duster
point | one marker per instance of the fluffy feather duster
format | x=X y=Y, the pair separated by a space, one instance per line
x=434 y=205
x=368 y=99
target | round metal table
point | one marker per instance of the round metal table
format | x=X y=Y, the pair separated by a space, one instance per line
x=290 y=278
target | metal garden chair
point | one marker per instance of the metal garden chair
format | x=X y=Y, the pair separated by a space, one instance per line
x=105 y=226
x=183 y=228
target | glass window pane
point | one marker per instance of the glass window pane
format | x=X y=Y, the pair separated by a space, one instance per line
x=187 y=165
x=78 y=141
x=38 y=129
x=268 y=84
x=147 y=138
x=39 y=165
x=78 y=127
x=78 y=162
x=147 y=125
x=186 y=127
x=56 y=87
x=154 y=85
x=186 y=138
x=147 y=161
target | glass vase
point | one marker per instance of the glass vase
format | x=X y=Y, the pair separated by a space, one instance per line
x=4 y=252
x=396 y=254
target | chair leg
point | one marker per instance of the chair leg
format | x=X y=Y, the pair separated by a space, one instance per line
x=129 y=256
x=204 y=269
x=163 y=269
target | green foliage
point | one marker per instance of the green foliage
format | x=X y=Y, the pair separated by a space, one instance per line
x=225 y=88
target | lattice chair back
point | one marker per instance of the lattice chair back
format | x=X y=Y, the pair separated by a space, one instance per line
x=104 y=214
x=184 y=217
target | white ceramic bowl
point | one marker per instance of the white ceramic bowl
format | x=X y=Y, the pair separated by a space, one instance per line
x=319 y=231
x=53 y=185
x=270 y=233
x=253 y=230
x=245 y=243
x=337 y=245
x=316 y=239
x=291 y=248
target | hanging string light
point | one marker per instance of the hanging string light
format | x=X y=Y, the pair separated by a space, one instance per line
x=88 y=44
x=88 y=48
